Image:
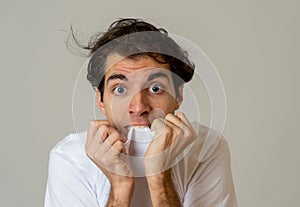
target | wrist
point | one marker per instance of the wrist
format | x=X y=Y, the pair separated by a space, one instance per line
x=161 y=180
x=121 y=194
x=160 y=177
x=162 y=190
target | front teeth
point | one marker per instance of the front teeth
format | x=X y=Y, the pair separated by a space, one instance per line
x=140 y=127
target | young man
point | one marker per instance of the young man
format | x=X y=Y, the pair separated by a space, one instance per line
x=138 y=73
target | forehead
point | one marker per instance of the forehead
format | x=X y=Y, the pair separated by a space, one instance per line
x=118 y=64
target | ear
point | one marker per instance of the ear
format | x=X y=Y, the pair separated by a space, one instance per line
x=179 y=98
x=99 y=102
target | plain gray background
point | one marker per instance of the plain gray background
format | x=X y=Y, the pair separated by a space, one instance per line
x=254 y=45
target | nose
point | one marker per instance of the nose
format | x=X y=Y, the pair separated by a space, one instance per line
x=139 y=104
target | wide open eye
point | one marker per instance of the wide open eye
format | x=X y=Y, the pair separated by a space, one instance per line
x=119 y=90
x=156 y=88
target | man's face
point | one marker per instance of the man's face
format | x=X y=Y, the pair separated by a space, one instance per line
x=136 y=91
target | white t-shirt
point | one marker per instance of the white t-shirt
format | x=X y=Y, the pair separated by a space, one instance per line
x=201 y=178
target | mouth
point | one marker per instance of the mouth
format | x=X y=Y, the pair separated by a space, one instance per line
x=138 y=126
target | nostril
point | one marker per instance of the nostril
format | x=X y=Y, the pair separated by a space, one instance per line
x=145 y=113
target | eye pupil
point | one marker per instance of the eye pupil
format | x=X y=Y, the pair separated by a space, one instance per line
x=155 y=88
x=120 y=90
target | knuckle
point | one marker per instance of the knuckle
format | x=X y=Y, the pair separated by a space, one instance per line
x=93 y=123
x=119 y=136
x=180 y=113
x=90 y=154
x=104 y=160
x=177 y=131
x=86 y=146
x=102 y=127
x=189 y=133
x=154 y=123
x=87 y=149
x=118 y=145
x=169 y=116
x=115 y=134
x=157 y=121
x=167 y=130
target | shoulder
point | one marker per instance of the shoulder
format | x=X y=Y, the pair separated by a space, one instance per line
x=72 y=175
x=207 y=150
x=71 y=149
x=209 y=142
x=71 y=142
x=208 y=145
x=69 y=155
x=210 y=173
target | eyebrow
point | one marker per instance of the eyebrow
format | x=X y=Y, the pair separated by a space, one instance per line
x=150 y=78
x=116 y=76
x=158 y=75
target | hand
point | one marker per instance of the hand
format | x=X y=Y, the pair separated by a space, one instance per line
x=105 y=147
x=172 y=135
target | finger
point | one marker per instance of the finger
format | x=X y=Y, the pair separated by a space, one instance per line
x=113 y=138
x=182 y=123
x=184 y=119
x=97 y=139
x=100 y=135
x=177 y=136
x=92 y=130
x=176 y=120
x=190 y=130
x=111 y=130
x=102 y=122
x=104 y=132
x=93 y=127
x=158 y=125
x=163 y=132
x=118 y=147
x=106 y=152
x=112 y=155
x=114 y=134
x=176 y=130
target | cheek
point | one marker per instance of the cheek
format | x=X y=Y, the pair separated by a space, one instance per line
x=172 y=107
x=166 y=103
x=115 y=112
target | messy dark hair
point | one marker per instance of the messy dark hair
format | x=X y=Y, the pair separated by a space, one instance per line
x=135 y=38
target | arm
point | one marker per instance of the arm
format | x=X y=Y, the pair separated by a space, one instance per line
x=162 y=190
x=172 y=135
x=119 y=197
x=104 y=147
